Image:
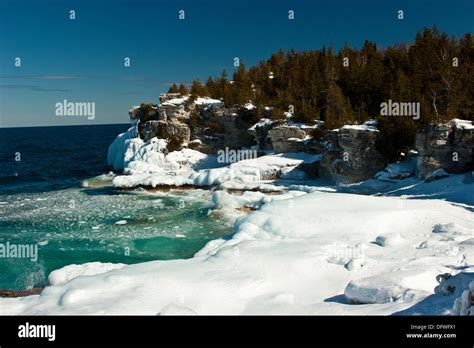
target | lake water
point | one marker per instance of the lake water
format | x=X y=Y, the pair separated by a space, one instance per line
x=43 y=204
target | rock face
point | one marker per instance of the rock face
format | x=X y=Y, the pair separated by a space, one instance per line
x=217 y=128
x=287 y=139
x=448 y=146
x=144 y=112
x=167 y=120
x=349 y=153
x=310 y=169
x=352 y=156
x=260 y=133
x=232 y=131
x=20 y=293
x=164 y=97
x=164 y=130
x=280 y=136
x=203 y=122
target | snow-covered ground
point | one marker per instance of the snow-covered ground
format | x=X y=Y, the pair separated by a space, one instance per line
x=315 y=253
x=389 y=245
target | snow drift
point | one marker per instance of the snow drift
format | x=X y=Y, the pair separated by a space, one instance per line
x=291 y=256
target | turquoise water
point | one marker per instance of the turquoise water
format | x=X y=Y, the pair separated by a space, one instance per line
x=42 y=203
x=78 y=225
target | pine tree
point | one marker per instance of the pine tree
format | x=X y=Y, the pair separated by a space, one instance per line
x=465 y=78
x=183 y=90
x=222 y=89
x=197 y=89
x=241 y=89
x=173 y=89
x=211 y=87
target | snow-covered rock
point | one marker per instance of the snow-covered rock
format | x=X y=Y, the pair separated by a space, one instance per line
x=464 y=304
x=176 y=101
x=373 y=290
x=436 y=175
x=369 y=126
x=208 y=101
x=285 y=138
x=397 y=171
x=122 y=147
x=388 y=240
x=260 y=133
x=249 y=106
x=352 y=155
x=151 y=168
x=462 y=124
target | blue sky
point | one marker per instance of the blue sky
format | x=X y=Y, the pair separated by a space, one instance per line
x=81 y=60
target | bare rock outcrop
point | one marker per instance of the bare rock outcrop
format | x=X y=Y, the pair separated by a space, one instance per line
x=448 y=146
x=164 y=130
x=204 y=123
x=260 y=133
x=352 y=155
x=287 y=139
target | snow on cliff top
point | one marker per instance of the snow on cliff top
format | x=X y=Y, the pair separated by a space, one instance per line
x=176 y=101
x=249 y=106
x=207 y=101
x=263 y=122
x=198 y=101
x=463 y=124
x=370 y=125
x=133 y=108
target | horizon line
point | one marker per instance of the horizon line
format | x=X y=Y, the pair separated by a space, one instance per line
x=64 y=125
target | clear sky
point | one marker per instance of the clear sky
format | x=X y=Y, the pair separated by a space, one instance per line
x=82 y=60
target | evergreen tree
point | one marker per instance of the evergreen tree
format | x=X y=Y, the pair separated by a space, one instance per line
x=197 y=89
x=183 y=89
x=211 y=87
x=241 y=89
x=173 y=89
x=464 y=88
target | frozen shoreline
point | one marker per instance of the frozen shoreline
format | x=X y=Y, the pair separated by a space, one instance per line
x=291 y=256
x=373 y=248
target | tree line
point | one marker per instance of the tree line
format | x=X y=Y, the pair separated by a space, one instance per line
x=348 y=87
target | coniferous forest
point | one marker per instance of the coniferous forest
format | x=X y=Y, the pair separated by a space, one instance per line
x=348 y=86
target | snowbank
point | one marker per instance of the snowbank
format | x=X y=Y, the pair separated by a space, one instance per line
x=69 y=272
x=307 y=250
x=146 y=165
x=291 y=256
x=454 y=188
